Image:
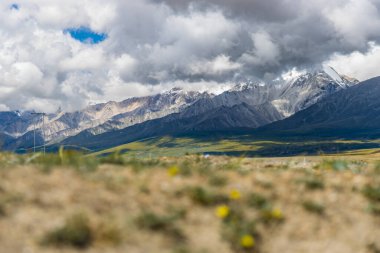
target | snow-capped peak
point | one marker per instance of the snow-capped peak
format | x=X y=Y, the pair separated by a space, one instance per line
x=174 y=90
x=247 y=86
x=334 y=75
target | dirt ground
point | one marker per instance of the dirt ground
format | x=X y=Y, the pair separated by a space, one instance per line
x=288 y=205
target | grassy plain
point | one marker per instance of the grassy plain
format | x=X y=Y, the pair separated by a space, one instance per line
x=243 y=146
x=68 y=203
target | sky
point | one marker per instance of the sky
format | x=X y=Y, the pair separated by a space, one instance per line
x=73 y=53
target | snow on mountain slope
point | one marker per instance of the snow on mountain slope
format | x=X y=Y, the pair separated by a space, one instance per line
x=352 y=113
x=16 y=123
x=308 y=89
x=285 y=99
x=223 y=118
x=333 y=74
x=248 y=105
x=154 y=107
x=288 y=97
x=128 y=112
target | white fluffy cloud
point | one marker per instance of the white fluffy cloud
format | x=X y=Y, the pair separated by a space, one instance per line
x=217 y=66
x=153 y=45
x=265 y=51
x=356 y=21
x=42 y=67
x=360 y=65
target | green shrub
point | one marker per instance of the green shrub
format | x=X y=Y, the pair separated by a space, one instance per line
x=235 y=227
x=313 y=207
x=165 y=224
x=376 y=169
x=144 y=189
x=70 y=158
x=3 y=211
x=113 y=158
x=203 y=197
x=152 y=221
x=76 y=232
x=139 y=165
x=265 y=184
x=374 y=208
x=271 y=215
x=185 y=169
x=372 y=193
x=176 y=213
x=257 y=201
x=313 y=183
x=337 y=165
x=217 y=180
x=340 y=165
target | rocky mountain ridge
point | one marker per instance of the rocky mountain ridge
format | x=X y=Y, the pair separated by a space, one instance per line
x=257 y=103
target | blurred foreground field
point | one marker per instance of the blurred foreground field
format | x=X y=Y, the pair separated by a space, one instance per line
x=73 y=203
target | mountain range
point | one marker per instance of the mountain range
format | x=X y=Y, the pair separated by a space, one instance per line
x=280 y=106
x=353 y=112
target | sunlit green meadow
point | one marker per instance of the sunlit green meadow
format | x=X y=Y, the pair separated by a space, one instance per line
x=242 y=146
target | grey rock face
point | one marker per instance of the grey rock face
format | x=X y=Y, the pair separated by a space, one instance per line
x=244 y=106
x=247 y=105
x=100 y=117
x=350 y=112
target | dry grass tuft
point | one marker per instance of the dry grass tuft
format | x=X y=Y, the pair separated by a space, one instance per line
x=191 y=204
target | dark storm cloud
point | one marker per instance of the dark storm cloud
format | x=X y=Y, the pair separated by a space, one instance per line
x=305 y=33
x=268 y=10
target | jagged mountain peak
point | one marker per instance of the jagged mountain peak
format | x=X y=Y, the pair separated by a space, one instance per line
x=249 y=85
x=309 y=88
x=328 y=73
x=324 y=73
x=175 y=90
x=178 y=93
x=341 y=80
x=321 y=76
x=351 y=112
x=131 y=111
x=267 y=102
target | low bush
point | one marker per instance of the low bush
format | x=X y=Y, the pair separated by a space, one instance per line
x=201 y=196
x=258 y=201
x=372 y=193
x=313 y=207
x=76 y=232
x=159 y=223
x=218 y=181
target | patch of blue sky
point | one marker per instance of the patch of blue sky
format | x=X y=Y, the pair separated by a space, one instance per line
x=86 y=35
x=14 y=6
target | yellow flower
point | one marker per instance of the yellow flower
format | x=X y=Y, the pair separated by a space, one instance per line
x=222 y=211
x=277 y=214
x=173 y=171
x=247 y=241
x=235 y=195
